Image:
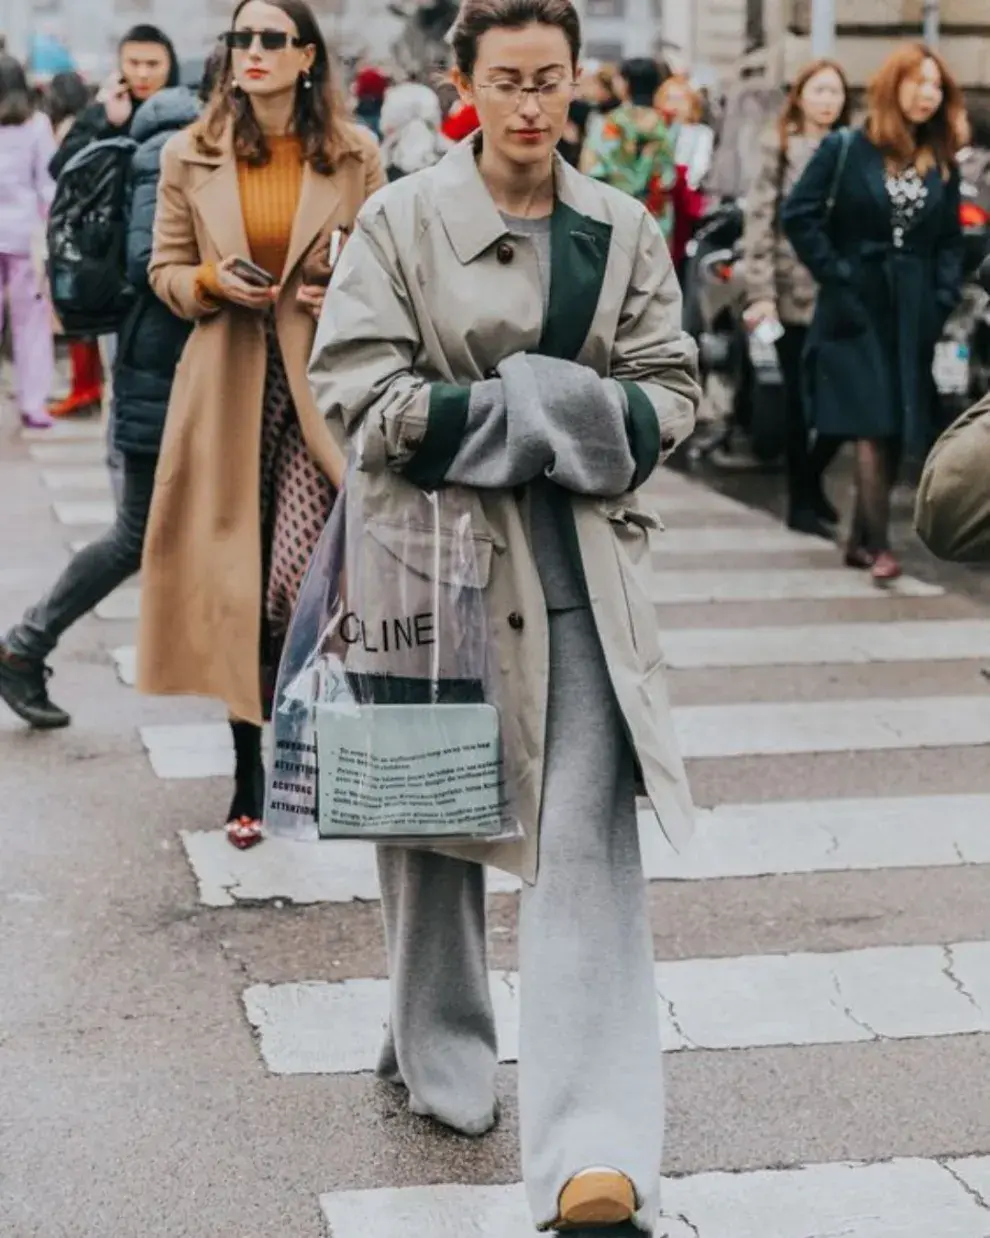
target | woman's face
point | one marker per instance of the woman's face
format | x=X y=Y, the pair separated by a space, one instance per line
x=260 y=71
x=678 y=103
x=920 y=93
x=522 y=85
x=823 y=98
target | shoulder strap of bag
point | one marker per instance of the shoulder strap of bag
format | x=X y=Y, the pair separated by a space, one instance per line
x=840 y=167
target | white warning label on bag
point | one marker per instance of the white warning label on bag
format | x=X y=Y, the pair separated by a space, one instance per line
x=409 y=771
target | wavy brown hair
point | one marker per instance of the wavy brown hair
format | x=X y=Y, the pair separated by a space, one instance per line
x=317 y=119
x=792 y=115
x=934 y=144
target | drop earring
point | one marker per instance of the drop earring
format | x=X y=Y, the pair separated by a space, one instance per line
x=307 y=82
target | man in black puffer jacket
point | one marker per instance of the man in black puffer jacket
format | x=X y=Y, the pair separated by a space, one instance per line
x=150 y=344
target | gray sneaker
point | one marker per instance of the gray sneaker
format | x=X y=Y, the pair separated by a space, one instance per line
x=24 y=687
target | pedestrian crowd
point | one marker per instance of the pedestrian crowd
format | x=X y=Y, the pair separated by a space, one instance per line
x=470 y=291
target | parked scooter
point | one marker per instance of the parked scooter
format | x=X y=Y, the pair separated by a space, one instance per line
x=740 y=374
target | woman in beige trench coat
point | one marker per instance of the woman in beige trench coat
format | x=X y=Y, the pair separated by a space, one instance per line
x=505 y=329
x=248 y=467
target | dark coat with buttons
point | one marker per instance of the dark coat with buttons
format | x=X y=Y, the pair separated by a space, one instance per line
x=430 y=295
x=152 y=338
x=883 y=300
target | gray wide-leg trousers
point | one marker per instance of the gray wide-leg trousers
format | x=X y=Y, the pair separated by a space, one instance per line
x=590 y=1081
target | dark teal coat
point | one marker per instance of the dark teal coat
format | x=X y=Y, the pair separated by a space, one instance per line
x=881 y=308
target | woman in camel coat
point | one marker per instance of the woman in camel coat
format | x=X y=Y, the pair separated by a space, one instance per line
x=230 y=520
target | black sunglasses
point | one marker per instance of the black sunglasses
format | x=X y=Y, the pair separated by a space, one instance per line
x=271 y=40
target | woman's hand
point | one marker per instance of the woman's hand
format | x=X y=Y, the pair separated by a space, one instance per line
x=239 y=292
x=759 y=311
x=311 y=297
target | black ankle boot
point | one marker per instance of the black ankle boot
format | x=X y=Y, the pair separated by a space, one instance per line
x=24 y=687
x=249 y=773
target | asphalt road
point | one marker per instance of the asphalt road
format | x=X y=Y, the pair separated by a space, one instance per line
x=185 y=1033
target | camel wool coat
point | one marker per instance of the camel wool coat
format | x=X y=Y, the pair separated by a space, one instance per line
x=429 y=297
x=201 y=595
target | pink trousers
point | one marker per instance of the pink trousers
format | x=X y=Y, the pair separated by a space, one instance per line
x=31 y=332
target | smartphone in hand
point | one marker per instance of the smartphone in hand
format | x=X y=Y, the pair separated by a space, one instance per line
x=251 y=273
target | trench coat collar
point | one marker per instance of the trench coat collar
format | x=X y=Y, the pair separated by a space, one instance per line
x=579 y=246
x=470 y=217
x=218 y=199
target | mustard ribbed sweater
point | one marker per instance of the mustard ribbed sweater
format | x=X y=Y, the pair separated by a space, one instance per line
x=269 y=201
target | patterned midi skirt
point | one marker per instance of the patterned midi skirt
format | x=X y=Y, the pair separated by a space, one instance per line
x=296 y=500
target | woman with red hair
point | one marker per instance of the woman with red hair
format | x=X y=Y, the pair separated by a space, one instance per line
x=875 y=219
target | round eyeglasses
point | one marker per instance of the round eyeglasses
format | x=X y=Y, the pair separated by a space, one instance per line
x=507 y=96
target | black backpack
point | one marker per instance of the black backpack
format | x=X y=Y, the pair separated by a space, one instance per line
x=87 y=239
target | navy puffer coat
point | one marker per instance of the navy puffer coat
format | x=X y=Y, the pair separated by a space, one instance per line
x=152 y=339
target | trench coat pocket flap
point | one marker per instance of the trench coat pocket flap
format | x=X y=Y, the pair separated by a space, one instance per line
x=448 y=556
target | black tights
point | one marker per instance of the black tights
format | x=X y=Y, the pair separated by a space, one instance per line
x=877 y=463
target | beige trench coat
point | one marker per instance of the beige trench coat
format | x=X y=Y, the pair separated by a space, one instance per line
x=200 y=623
x=429 y=297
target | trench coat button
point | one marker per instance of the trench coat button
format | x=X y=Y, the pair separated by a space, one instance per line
x=516 y=621
x=504 y=252
x=668 y=442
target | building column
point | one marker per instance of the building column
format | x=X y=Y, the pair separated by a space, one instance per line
x=677 y=25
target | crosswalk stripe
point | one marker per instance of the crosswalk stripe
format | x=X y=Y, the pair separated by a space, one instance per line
x=828 y=643
x=67 y=453
x=122 y=604
x=904 y=1198
x=75 y=429
x=690 y=500
x=84 y=511
x=741 y=840
x=779 y=585
x=203 y=750
x=735 y=540
x=748 y=1002
x=77 y=478
x=707 y=731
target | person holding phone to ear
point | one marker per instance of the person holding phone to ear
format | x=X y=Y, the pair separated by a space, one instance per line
x=250 y=203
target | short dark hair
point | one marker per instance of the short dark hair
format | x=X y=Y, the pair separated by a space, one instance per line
x=643 y=78
x=477 y=17
x=16 y=100
x=68 y=94
x=144 y=32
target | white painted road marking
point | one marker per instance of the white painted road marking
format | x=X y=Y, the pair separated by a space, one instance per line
x=122 y=604
x=78 y=478
x=758 y=1001
x=67 y=453
x=204 y=750
x=740 y=840
x=125 y=663
x=828 y=643
x=707 y=731
x=775 y=539
x=191 y=750
x=73 y=429
x=781 y=585
x=84 y=511
x=892 y=1199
